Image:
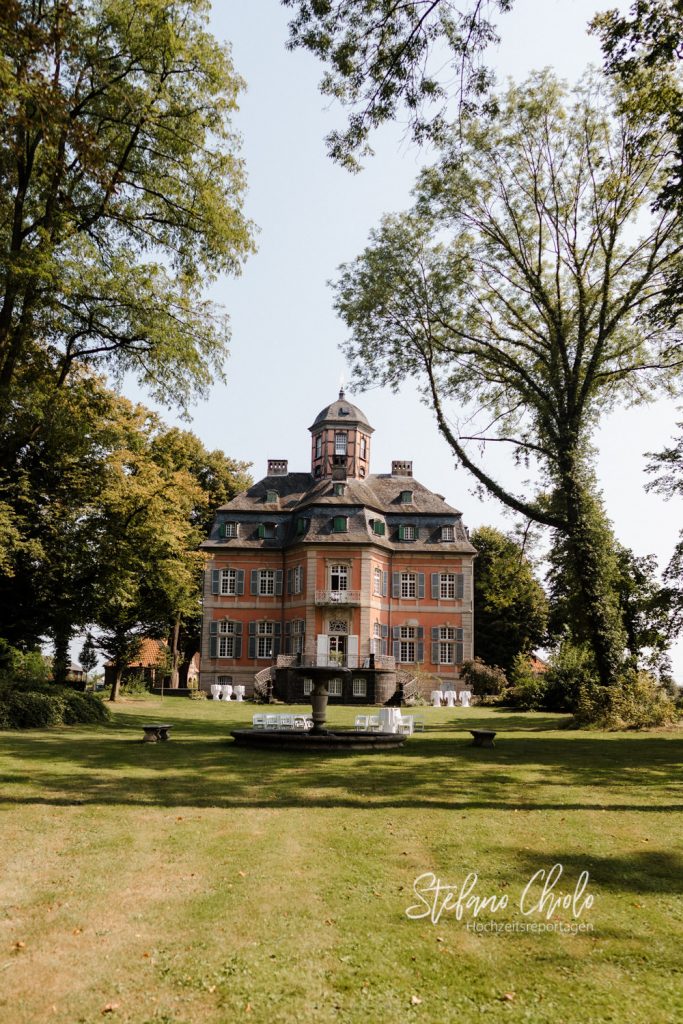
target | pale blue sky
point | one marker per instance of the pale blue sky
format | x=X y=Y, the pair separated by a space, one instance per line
x=285 y=363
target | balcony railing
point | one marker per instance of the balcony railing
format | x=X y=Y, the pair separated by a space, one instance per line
x=375 y=661
x=342 y=597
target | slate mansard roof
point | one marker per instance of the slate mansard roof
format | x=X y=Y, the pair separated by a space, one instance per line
x=302 y=497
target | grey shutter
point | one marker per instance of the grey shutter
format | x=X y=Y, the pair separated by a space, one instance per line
x=417 y=532
x=254 y=582
x=384 y=647
x=213 y=639
x=436 y=586
x=395 y=584
x=252 y=640
x=396 y=632
x=459 y=655
x=397 y=649
x=238 y=646
x=277 y=638
x=385 y=631
x=420 y=650
x=460 y=635
x=278 y=582
x=385 y=584
x=290 y=581
x=435 y=650
x=215 y=581
x=240 y=581
x=288 y=638
x=420 y=584
x=460 y=586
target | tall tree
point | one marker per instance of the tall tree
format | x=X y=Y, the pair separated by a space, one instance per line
x=121 y=192
x=519 y=287
x=510 y=606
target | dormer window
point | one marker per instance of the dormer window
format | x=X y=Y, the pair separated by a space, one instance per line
x=340 y=524
x=228 y=530
x=338 y=490
x=301 y=526
x=266 y=531
x=447 y=533
x=406 y=497
x=407 y=531
x=378 y=527
x=271 y=497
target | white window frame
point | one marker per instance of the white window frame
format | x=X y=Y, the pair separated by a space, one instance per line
x=230 y=529
x=341 y=442
x=265 y=634
x=334 y=687
x=447 y=586
x=363 y=446
x=359 y=687
x=408 y=531
x=407 y=647
x=318 y=446
x=308 y=687
x=298 y=636
x=266 y=582
x=298 y=579
x=342 y=572
x=228 y=582
x=408 y=584
x=226 y=639
x=447 y=533
x=377 y=581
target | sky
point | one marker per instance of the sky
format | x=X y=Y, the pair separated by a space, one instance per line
x=285 y=363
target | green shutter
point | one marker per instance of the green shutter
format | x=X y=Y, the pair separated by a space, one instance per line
x=261 y=531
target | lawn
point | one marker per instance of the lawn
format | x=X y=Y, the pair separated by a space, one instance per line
x=195 y=883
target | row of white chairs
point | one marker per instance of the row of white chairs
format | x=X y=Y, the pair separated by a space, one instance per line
x=407 y=724
x=261 y=721
x=225 y=691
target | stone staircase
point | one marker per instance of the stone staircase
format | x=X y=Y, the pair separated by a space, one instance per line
x=263 y=683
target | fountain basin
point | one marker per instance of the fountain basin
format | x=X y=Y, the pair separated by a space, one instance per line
x=307 y=741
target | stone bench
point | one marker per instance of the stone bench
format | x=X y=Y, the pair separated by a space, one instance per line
x=155 y=733
x=483 y=737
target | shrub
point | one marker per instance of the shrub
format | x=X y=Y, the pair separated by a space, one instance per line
x=483 y=679
x=570 y=673
x=197 y=694
x=30 y=710
x=135 y=684
x=83 y=709
x=528 y=689
x=638 y=701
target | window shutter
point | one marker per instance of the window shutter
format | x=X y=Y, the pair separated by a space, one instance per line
x=277 y=637
x=436 y=586
x=384 y=647
x=385 y=632
x=420 y=650
x=278 y=583
x=397 y=649
x=401 y=532
x=290 y=581
x=215 y=581
x=252 y=640
x=221 y=530
x=435 y=651
x=395 y=584
x=254 y=581
x=240 y=581
x=420 y=632
x=420 y=584
x=460 y=635
x=288 y=639
x=238 y=646
x=396 y=632
x=261 y=531
x=417 y=532
x=213 y=639
x=385 y=584
x=459 y=654
x=238 y=628
x=436 y=633
x=460 y=586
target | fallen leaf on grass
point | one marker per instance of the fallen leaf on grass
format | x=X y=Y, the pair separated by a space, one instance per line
x=110 y=1008
x=242 y=874
x=19 y=945
x=509 y=997
x=77 y=931
x=415 y=1000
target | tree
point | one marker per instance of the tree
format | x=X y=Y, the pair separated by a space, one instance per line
x=667 y=469
x=121 y=192
x=510 y=606
x=384 y=60
x=88 y=656
x=521 y=282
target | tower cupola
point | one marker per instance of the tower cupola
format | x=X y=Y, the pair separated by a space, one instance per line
x=340 y=442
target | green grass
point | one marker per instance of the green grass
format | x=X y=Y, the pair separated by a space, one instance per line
x=192 y=882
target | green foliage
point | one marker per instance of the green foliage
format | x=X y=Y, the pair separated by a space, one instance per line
x=518 y=288
x=83 y=709
x=196 y=694
x=528 y=689
x=23 y=667
x=640 y=702
x=510 y=606
x=27 y=709
x=30 y=704
x=122 y=191
x=135 y=684
x=88 y=656
x=483 y=679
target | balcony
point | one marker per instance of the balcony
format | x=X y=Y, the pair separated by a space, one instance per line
x=340 y=597
x=374 y=662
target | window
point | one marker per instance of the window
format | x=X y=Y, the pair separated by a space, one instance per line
x=406 y=647
x=340 y=442
x=301 y=524
x=377 y=581
x=229 y=579
x=339 y=577
x=408 y=584
x=298 y=629
x=406 y=532
x=228 y=530
x=377 y=630
x=266 y=531
x=264 y=639
x=308 y=687
x=360 y=688
x=318 y=445
x=378 y=527
x=447 y=645
x=266 y=582
x=406 y=497
x=447 y=533
x=334 y=687
x=224 y=680
x=340 y=524
x=363 y=446
x=298 y=579
x=226 y=639
x=271 y=497
x=338 y=490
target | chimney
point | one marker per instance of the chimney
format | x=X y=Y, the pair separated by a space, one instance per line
x=401 y=468
x=277 y=467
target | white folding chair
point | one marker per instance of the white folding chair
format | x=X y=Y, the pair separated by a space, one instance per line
x=373 y=723
x=418 y=723
x=272 y=721
x=258 y=721
x=361 y=723
x=406 y=725
x=286 y=722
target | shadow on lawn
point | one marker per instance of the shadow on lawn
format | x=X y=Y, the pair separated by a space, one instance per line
x=529 y=769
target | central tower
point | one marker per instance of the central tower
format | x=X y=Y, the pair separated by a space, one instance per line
x=340 y=446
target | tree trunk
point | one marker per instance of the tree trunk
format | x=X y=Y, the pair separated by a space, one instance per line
x=586 y=551
x=61 y=660
x=175 y=655
x=116 y=685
